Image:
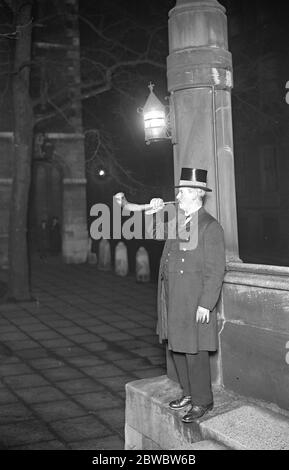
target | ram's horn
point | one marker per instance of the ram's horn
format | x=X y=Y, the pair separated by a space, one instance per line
x=131 y=206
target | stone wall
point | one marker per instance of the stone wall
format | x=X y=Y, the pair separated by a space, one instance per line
x=255 y=336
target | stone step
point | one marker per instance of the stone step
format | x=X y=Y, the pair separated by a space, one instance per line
x=234 y=423
x=248 y=427
x=207 y=444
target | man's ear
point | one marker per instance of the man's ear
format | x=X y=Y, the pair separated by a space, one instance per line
x=201 y=193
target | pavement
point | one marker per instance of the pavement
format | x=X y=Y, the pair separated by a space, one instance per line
x=65 y=358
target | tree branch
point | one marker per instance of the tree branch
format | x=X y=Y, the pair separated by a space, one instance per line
x=113 y=42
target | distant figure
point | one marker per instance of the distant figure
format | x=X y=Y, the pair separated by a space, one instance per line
x=43 y=239
x=104 y=255
x=142 y=267
x=55 y=237
x=121 y=259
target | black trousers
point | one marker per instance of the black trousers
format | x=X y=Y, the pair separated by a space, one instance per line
x=195 y=376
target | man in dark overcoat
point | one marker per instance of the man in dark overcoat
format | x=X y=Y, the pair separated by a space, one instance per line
x=190 y=281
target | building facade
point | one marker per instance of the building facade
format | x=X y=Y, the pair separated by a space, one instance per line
x=58 y=186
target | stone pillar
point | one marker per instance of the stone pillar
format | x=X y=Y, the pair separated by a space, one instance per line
x=199 y=69
x=73 y=64
x=6 y=154
x=69 y=152
x=71 y=146
x=75 y=236
x=67 y=136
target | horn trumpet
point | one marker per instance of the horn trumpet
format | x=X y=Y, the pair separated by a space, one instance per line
x=131 y=206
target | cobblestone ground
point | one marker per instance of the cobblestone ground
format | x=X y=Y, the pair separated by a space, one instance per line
x=65 y=358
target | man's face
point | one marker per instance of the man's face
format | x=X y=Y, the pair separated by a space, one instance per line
x=186 y=198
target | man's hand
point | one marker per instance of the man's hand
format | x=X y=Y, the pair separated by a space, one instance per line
x=120 y=199
x=156 y=204
x=203 y=314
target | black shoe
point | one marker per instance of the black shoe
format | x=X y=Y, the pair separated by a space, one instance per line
x=180 y=403
x=196 y=411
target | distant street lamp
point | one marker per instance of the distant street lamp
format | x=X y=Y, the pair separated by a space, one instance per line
x=156 y=118
x=101 y=172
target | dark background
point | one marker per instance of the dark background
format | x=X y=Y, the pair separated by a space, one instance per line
x=258 y=39
x=126 y=31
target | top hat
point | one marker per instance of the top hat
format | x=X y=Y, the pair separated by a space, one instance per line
x=193 y=178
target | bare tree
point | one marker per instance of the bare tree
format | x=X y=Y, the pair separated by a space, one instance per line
x=120 y=54
x=19 y=288
x=116 y=55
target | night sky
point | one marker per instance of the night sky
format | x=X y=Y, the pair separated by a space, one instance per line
x=131 y=25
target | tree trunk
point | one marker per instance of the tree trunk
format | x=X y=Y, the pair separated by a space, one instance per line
x=19 y=282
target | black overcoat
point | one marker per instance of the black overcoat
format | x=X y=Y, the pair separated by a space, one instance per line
x=189 y=278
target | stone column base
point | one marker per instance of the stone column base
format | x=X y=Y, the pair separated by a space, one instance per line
x=75 y=246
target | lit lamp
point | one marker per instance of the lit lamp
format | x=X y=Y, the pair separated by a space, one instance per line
x=156 y=118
